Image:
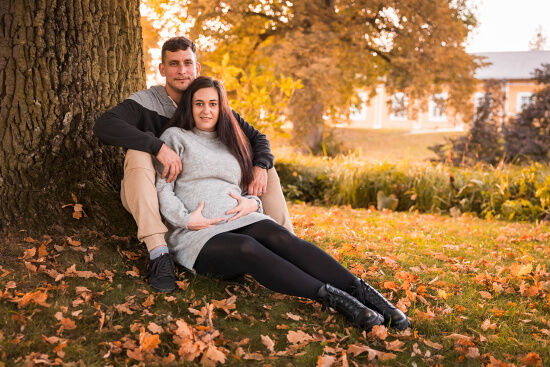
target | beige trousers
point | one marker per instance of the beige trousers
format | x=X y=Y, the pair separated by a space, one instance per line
x=139 y=197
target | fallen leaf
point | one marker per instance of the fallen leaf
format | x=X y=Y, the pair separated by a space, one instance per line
x=72 y=242
x=325 y=361
x=519 y=270
x=532 y=359
x=68 y=324
x=268 y=342
x=292 y=316
x=433 y=344
x=379 y=331
x=485 y=295
x=213 y=354
x=487 y=325
x=148 y=342
x=298 y=337
x=154 y=328
x=37 y=297
x=396 y=345
x=149 y=301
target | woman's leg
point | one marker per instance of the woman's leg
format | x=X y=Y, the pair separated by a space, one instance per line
x=304 y=255
x=232 y=254
x=229 y=255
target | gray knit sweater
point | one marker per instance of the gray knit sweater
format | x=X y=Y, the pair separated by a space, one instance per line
x=210 y=172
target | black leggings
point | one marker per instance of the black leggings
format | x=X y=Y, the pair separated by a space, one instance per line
x=275 y=257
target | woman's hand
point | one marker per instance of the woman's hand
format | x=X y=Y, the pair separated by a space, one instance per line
x=244 y=206
x=198 y=221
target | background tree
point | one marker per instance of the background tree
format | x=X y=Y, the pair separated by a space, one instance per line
x=539 y=40
x=334 y=47
x=62 y=64
x=528 y=134
x=484 y=141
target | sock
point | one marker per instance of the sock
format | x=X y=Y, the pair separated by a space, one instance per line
x=157 y=251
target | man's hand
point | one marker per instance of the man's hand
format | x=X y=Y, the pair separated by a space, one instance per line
x=259 y=182
x=171 y=162
x=244 y=206
x=198 y=221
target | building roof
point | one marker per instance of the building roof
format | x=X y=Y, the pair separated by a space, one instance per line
x=511 y=65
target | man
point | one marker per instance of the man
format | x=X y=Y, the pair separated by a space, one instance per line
x=136 y=123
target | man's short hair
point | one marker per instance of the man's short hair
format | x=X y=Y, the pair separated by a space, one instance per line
x=177 y=43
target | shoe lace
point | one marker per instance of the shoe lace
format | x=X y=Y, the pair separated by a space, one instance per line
x=365 y=292
x=164 y=267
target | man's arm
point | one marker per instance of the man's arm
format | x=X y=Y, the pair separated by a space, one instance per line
x=130 y=126
x=261 y=150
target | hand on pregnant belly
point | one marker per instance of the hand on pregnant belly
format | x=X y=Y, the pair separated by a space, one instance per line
x=198 y=221
x=244 y=206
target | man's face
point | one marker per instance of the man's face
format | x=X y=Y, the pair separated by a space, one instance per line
x=179 y=68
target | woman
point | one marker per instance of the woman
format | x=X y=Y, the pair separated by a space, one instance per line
x=227 y=235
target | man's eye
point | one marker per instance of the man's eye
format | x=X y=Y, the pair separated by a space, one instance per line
x=213 y=104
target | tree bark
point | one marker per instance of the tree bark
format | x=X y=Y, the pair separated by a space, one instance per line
x=62 y=63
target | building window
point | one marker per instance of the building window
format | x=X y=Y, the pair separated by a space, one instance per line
x=437 y=107
x=523 y=99
x=359 y=113
x=399 y=103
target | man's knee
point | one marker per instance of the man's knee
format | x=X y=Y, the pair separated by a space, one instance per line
x=138 y=159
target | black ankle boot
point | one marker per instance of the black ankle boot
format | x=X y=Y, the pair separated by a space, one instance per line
x=352 y=309
x=371 y=298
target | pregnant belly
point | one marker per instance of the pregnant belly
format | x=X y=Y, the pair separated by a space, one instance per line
x=216 y=203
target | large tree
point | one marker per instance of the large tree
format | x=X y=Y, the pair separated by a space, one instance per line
x=62 y=63
x=337 y=46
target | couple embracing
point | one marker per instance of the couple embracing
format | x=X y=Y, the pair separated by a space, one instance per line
x=194 y=162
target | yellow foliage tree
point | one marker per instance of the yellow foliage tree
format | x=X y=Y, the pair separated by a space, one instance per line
x=336 y=48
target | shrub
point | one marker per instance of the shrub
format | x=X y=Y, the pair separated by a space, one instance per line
x=507 y=192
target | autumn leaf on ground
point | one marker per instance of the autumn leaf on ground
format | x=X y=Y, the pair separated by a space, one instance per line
x=396 y=345
x=148 y=342
x=212 y=356
x=372 y=353
x=519 y=270
x=485 y=295
x=325 y=360
x=227 y=304
x=72 y=242
x=68 y=324
x=269 y=343
x=154 y=328
x=379 y=331
x=433 y=344
x=298 y=337
x=532 y=359
x=292 y=316
x=487 y=325
x=37 y=297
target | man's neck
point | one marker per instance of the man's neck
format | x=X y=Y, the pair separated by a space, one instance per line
x=175 y=96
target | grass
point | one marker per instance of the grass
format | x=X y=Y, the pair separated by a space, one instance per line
x=387 y=145
x=476 y=291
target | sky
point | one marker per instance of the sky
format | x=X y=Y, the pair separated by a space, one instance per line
x=508 y=25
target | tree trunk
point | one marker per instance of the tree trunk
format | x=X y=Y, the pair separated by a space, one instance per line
x=306 y=113
x=62 y=63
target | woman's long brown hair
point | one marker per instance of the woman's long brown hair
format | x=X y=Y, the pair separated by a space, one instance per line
x=228 y=129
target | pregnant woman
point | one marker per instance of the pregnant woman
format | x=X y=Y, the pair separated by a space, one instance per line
x=218 y=230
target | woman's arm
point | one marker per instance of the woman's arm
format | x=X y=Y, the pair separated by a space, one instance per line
x=171 y=207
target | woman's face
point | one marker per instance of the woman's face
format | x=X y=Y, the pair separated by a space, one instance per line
x=206 y=108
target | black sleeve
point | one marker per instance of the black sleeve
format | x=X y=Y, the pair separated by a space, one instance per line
x=130 y=126
x=261 y=149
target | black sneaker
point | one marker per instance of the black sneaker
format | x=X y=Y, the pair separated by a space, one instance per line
x=162 y=273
